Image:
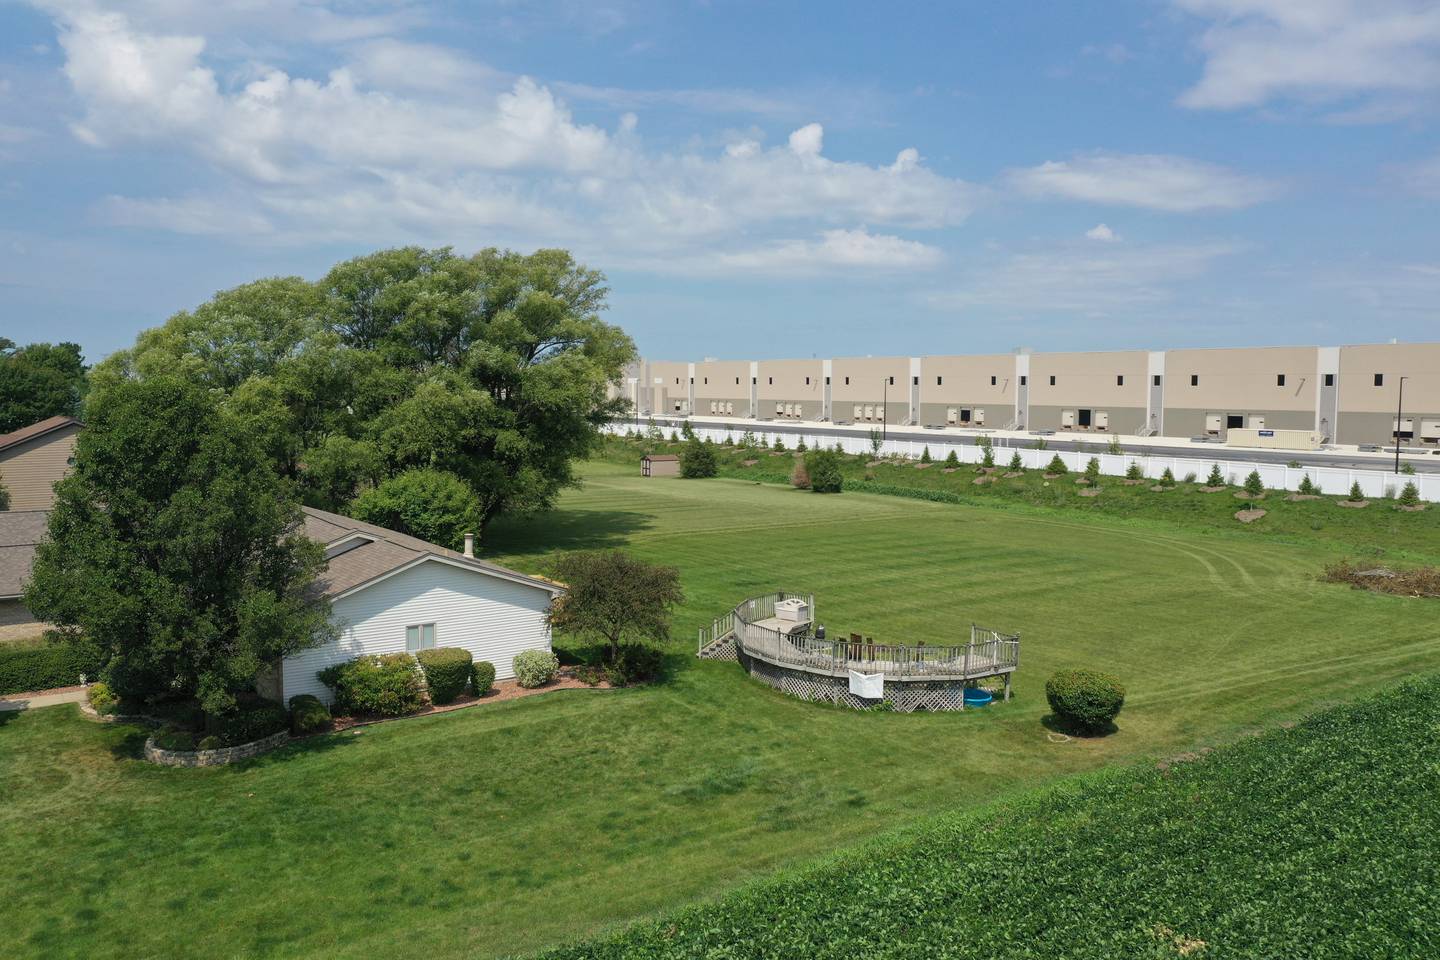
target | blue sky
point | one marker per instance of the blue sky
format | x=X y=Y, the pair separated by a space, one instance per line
x=778 y=179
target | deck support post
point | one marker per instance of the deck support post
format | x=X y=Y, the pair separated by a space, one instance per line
x=1007 y=686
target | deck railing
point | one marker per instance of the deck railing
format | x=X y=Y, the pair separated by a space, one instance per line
x=989 y=652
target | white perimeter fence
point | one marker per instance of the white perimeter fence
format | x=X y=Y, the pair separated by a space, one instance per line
x=1276 y=476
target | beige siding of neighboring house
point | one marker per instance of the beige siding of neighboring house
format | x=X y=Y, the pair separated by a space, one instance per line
x=791 y=389
x=722 y=388
x=963 y=385
x=1243 y=383
x=870 y=383
x=1088 y=382
x=1367 y=412
x=30 y=470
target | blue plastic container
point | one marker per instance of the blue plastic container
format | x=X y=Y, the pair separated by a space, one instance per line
x=975 y=697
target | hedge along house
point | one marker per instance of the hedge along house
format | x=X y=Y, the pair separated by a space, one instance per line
x=392 y=593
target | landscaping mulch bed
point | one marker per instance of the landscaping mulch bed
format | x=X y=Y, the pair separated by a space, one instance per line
x=1301 y=497
x=923 y=466
x=1242 y=495
x=1412 y=508
x=981 y=481
x=1132 y=483
x=1090 y=492
x=1013 y=474
x=1160 y=488
x=748 y=463
x=1051 y=476
x=1249 y=515
x=502 y=690
x=1353 y=504
x=1213 y=489
x=949 y=469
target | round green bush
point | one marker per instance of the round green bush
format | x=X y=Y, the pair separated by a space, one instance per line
x=211 y=742
x=447 y=671
x=482 y=677
x=697 y=460
x=101 y=699
x=387 y=686
x=1085 y=700
x=308 y=714
x=535 y=668
x=823 y=466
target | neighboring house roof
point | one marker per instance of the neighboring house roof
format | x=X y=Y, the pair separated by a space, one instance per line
x=360 y=554
x=20 y=532
x=48 y=425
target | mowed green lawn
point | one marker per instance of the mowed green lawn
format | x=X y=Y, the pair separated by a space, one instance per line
x=517 y=825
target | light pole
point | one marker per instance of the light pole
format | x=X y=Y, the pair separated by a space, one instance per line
x=1399 y=407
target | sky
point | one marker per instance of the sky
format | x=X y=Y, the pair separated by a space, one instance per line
x=755 y=179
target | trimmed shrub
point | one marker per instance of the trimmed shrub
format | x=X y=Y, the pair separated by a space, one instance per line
x=482 y=677
x=1307 y=486
x=1085 y=700
x=824 y=469
x=1016 y=464
x=697 y=460
x=1168 y=477
x=1056 y=465
x=43 y=664
x=925 y=454
x=388 y=685
x=987 y=456
x=1190 y=477
x=1133 y=472
x=308 y=714
x=535 y=668
x=1092 y=470
x=447 y=670
x=800 y=447
x=779 y=446
x=1409 y=495
x=1254 y=486
x=635 y=663
x=249 y=721
x=102 y=700
x=952 y=459
x=1216 y=478
x=1356 y=494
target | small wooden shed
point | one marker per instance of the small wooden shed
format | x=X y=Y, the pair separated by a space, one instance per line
x=660 y=465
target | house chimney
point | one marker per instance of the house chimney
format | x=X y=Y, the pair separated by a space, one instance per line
x=470 y=545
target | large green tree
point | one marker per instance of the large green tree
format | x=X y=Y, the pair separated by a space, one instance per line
x=176 y=549
x=38 y=381
x=494 y=368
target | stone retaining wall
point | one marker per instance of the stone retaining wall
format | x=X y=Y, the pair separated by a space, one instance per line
x=213 y=758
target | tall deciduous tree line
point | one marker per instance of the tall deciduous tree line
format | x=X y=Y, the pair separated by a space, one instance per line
x=491 y=368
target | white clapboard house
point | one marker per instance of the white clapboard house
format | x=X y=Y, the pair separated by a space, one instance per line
x=392 y=593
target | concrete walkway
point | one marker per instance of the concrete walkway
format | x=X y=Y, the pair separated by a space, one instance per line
x=30 y=701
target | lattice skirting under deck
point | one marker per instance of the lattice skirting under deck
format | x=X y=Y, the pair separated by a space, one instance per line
x=723 y=649
x=901 y=696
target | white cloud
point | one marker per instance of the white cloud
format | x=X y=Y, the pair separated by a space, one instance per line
x=414 y=142
x=1151 y=181
x=1257 y=51
x=1084 y=279
x=835 y=249
x=1102 y=232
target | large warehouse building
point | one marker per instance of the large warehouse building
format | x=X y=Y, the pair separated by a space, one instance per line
x=1342 y=394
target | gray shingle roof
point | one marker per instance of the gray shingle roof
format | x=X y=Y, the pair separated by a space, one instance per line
x=382 y=551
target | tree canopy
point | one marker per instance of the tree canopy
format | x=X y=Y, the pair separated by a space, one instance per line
x=616 y=598
x=175 y=549
x=493 y=368
x=38 y=381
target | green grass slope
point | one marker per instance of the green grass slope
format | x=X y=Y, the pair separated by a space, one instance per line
x=1319 y=841
x=513 y=826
